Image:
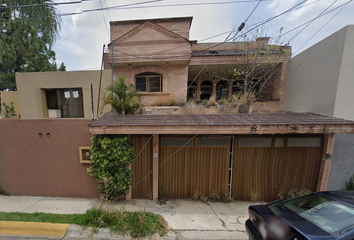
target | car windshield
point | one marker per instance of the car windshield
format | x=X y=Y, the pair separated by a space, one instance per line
x=331 y=216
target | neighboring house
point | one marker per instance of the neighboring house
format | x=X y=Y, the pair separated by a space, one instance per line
x=253 y=155
x=59 y=94
x=321 y=80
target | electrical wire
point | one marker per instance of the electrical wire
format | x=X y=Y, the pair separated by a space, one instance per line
x=297 y=34
x=227 y=38
x=322 y=27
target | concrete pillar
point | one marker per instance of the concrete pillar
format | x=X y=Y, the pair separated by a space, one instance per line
x=155 y=167
x=328 y=144
x=199 y=89
x=229 y=89
x=214 y=88
x=128 y=196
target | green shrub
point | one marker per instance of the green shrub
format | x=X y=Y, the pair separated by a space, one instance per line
x=110 y=157
x=350 y=185
x=8 y=110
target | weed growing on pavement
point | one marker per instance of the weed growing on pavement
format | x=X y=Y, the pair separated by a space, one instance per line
x=138 y=224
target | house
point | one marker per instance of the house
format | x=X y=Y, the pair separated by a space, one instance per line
x=255 y=150
x=321 y=81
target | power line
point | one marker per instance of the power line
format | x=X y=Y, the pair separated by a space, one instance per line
x=44 y=4
x=311 y=21
x=227 y=39
x=322 y=27
x=104 y=18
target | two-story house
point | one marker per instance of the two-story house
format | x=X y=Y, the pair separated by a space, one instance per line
x=198 y=143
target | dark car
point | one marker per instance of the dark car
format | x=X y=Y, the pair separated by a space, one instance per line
x=321 y=215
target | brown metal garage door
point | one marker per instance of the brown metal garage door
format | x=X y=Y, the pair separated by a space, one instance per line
x=266 y=167
x=142 y=180
x=201 y=165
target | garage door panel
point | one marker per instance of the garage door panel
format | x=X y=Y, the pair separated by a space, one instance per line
x=266 y=171
x=142 y=167
x=174 y=173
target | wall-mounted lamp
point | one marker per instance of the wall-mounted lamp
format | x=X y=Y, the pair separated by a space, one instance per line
x=48 y=134
x=39 y=134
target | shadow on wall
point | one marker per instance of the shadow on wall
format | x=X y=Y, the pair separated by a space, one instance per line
x=342 y=167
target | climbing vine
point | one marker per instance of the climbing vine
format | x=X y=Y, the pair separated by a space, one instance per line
x=110 y=156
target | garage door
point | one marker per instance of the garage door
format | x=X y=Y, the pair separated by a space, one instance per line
x=187 y=166
x=142 y=167
x=265 y=166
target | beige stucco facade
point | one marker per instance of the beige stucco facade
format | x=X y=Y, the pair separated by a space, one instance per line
x=31 y=89
x=161 y=47
x=11 y=97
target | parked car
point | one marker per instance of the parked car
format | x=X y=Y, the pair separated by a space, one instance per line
x=320 y=215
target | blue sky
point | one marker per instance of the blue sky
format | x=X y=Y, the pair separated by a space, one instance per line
x=82 y=36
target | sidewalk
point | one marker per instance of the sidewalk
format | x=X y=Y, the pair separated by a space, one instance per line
x=187 y=219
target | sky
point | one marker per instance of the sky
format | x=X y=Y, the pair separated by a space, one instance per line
x=82 y=36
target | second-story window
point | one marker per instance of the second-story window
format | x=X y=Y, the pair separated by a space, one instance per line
x=148 y=82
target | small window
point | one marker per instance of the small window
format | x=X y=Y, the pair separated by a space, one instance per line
x=279 y=142
x=148 y=82
x=176 y=142
x=304 y=142
x=68 y=101
x=213 y=142
x=255 y=142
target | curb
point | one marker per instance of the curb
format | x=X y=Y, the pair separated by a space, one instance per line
x=33 y=229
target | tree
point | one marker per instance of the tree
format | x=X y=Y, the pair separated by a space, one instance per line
x=122 y=97
x=62 y=67
x=256 y=65
x=27 y=34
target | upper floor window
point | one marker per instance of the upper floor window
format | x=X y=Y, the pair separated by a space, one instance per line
x=148 y=82
x=68 y=101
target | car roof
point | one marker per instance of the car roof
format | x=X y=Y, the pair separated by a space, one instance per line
x=345 y=196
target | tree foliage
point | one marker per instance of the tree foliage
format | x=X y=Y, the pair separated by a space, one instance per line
x=26 y=37
x=110 y=157
x=62 y=67
x=122 y=97
x=8 y=111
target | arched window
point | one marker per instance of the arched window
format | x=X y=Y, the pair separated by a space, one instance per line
x=192 y=91
x=207 y=90
x=148 y=82
x=221 y=90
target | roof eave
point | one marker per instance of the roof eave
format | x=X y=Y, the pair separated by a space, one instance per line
x=231 y=129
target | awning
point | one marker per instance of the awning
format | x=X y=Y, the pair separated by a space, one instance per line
x=254 y=123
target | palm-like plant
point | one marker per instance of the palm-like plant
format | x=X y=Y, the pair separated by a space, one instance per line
x=122 y=97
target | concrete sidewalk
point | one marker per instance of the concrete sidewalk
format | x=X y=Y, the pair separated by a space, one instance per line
x=186 y=219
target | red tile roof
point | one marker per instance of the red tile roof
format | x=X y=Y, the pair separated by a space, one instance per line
x=262 y=119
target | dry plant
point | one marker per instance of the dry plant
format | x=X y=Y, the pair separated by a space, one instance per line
x=293 y=193
x=212 y=100
x=165 y=101
x=255 y=196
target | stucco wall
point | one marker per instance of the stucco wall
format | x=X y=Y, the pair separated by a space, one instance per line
x=174 y=81
x=31 y=86
x=45 y=166
x=344 y=107
x=8 y=97
x=342 y=167
x=313 y=76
